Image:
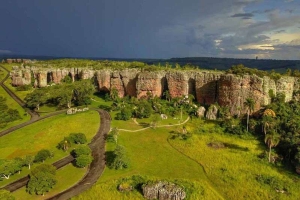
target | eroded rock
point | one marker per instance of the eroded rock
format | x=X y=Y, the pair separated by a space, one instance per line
x=163 y=190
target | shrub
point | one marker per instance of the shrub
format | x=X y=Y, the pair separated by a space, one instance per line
x=42 y=155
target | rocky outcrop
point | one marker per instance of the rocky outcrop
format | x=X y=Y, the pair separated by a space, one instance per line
x=163 y=191
x=116 y=83
x=103 y=80
x=208 y=87
x=212 y=112
x=21 y=77
x=234 y=90
x=150 y=83
x=129 y=79
x=201 y=112
x=178 y=84
x=286 y=85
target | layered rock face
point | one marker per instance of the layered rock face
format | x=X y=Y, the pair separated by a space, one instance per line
x=150 y=82
x=21 y=77
x=234 y=90
x=178 y=84
x=207 y=87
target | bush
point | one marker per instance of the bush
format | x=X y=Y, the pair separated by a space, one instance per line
x=82 y=150
x=83 y=160
x=120 y=160
x=42 y=155
x=24 y=87
x=77 y=138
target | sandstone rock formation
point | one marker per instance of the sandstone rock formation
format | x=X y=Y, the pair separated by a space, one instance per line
x=163 y=191
x=212 y=112
x=201 y=112
x=150 y=82
x=208 y=87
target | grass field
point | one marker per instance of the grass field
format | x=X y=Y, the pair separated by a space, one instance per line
x=66 y=177
x=151 y=155
x=237 y=169
x=233 y=172
x=46 y=134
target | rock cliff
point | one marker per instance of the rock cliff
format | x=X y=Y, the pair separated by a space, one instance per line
x=208 y=87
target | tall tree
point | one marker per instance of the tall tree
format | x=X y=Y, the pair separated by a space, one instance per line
x=249 y=104
x=272 y=140
x=42 y=179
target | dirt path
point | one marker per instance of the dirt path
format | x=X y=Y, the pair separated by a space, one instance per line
x=97 y=166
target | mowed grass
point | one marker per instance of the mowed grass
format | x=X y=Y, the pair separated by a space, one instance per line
x=66 y=177
x=235 y=169
x=150 y=155
x=46 y=134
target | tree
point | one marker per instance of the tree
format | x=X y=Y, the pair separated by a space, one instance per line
x=10 y=167
x=28 y=160
x=41 y=179
x=249 y=104
x=272 y=140
x=268 y=122
x=37 y=97
x=65 y=144
x=83 y=160
x=6 y=195
x=82 y=156
x=42 y=155
x=82 y=150
x=154 y=120
x=115 y=133
x=77 y=138
x=120 y=160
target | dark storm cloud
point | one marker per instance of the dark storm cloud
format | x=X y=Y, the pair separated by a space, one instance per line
x=138 y=28
x=243 y=15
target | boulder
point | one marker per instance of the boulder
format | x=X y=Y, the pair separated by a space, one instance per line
x=163 y=190
x=212 y=112
x=201 y=112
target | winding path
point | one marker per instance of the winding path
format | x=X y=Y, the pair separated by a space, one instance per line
x=97 y=146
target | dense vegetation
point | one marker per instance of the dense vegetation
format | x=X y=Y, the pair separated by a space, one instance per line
x=63 y=96
x=7 y=114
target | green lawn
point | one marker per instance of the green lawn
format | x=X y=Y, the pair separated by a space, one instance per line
x=46 y=134
x=66 y=177
x=237 y=168
x=150 y=155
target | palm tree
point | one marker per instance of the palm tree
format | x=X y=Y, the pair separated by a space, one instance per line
x=249 y=104
x=272 y=140
x=268 y=120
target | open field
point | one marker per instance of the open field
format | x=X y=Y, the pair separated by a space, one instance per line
x=235 y=171
x=150 y=155
x=66 y=177
x=46 y=134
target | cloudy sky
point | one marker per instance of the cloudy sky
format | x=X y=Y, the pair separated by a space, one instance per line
x=151 y=28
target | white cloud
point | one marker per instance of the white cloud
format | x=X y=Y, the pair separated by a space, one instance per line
x=238 y=32
x=2 y=51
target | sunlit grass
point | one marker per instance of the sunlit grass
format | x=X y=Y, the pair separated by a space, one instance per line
x=46 y=134
x=151 y=155
x=235 y=168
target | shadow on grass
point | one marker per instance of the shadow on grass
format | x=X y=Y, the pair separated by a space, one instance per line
x=144 y=124
x=236 y=147
x=109 y=158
